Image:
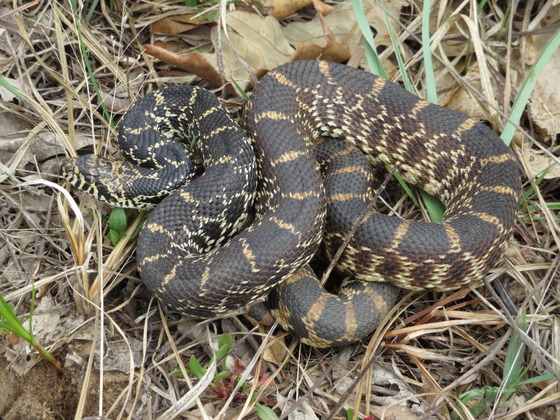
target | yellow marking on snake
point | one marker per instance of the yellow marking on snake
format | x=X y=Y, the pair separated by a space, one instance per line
x=283 y=225
x=208 y=112
x=156 y=227
x=500 y=189
x=351 y=321
x=344 y=197
x=497 y=159
x=419 y=106
x=276 y=116
x=488 y=218
x=249 y=255
x=289 y=156
x=204 y=278
x=283 y=80
x=349 y=170
x=452 y=238
x=466 y=125
x=398 y=235
x=301 y=195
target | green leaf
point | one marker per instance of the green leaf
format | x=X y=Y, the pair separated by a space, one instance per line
x=434 y=207
x=196 y=368
x=465 y=397
x=478 y=393
x=244 y=385
x=117 y=225
x=224 y=345
x=220 y=376
x=114 y=237
x=177 y=373
x=117 y=220
x=480 y=407
x=265 y=413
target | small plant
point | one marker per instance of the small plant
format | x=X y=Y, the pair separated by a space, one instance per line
x=265 y=413
x=512 y=377
x=351 y=415
x=117 y=225
x=10 y=323
x=224 y=347
x=224 y=382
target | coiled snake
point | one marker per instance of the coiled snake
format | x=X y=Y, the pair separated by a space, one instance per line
x=195 y=252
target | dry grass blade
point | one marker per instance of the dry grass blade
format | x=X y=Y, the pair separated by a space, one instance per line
x=67 y=72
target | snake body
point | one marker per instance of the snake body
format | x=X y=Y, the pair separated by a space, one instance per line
x=197 y=256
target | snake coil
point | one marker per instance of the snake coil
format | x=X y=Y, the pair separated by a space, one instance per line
x=197 y=256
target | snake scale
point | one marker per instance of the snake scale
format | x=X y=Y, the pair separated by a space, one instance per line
x=199 y=255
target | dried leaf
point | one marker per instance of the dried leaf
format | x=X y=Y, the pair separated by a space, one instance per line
x=257 y=40
x=284 y=8
x=544 y=107
x=462 y=100
x=339 y=26
x=307 y=51
x=540 y=162
x=276 y=351
x=335 y=52
x=193 y=62
x=398 y=402
x=176 y=24
x=260 y=41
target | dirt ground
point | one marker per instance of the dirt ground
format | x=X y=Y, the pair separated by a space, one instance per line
x=68 y=72
x=45 y=394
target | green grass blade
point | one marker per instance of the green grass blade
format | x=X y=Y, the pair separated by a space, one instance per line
x=527 y=87
x=10 y=322
x=431 y=91
x=514 y=357
x=372 y=58
x=87 y=62
x=395 y=43
x=540 y=378
x=433 y=206
x=31 y=309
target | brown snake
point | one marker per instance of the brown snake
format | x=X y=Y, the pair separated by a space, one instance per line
x=197 y=257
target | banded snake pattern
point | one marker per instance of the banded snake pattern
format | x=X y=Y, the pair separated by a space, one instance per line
x=199 y=255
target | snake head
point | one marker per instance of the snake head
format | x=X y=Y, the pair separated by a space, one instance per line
x=107 y=180
x=94 y=175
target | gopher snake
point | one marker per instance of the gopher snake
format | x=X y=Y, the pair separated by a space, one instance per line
x=197 y=256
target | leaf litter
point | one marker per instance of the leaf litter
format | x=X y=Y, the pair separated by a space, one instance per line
x=430 y=351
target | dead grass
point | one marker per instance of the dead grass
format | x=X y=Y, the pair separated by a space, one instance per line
x=77 y=71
